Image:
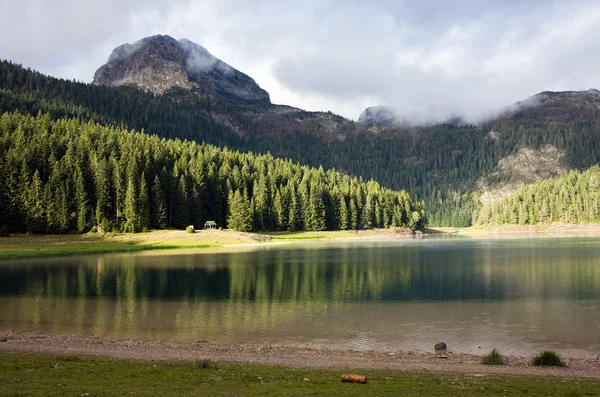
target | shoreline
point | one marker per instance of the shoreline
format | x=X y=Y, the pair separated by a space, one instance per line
x=286 y=356
x=31 y=246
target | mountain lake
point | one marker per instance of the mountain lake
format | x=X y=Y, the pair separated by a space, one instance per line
x=520 y=295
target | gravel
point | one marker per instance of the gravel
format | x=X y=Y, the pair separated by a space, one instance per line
x=288 y=356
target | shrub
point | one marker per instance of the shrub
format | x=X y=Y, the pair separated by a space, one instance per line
x=190 y=229
x=548 y=358
x=107 y=226
x=4 y=231
x=204 y=364
x=493 y=358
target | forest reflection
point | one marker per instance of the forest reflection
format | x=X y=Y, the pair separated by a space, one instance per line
x=334 y=274
x=513 y=290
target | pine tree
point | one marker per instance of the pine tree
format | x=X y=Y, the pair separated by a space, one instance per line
x=131 y=207
x=143 y=204
x=81 y=201
x=295 y=212
x=280 y=208
x=240 y=218
x=159 y=214
x=181 y=204
x=344 y=216
x=35 y=205
x=316 y=210
x=102 y=187
x=353 y=215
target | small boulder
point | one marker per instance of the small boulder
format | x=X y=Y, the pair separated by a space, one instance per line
x=440 y=347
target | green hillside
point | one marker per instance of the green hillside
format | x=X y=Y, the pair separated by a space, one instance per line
x=570 y=198
x=66 y=175
x=440 y=164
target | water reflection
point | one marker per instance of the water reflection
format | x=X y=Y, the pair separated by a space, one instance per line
x=357 y=272
x=513 y=293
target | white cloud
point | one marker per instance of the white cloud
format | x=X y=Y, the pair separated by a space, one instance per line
x=429 y=58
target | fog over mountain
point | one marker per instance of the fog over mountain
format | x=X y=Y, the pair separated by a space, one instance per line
x=430 y=60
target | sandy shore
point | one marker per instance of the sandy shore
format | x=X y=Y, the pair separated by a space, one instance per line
x=289 y=356
x=553 y=230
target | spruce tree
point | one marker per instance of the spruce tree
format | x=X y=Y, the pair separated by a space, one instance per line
x=81 y=202
x=143 y=204
x=35 y=205
x=131 y=207
x=159 y=214
x=344 y=216
x=240 y=217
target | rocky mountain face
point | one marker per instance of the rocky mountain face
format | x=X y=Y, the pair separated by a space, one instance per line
x=159 y=63
x=379 y=115
x=556 y=107
x=525 y=167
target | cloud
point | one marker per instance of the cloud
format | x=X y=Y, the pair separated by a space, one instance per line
x=429 y=58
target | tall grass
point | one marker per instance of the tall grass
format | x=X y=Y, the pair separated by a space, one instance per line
x=548 y=358
x=493 y=358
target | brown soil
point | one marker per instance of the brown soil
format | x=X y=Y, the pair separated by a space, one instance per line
x=288 y=356
x=201 y=236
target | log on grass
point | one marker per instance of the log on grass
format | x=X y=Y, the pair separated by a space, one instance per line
x=353 y=378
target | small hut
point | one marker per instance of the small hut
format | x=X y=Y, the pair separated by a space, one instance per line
x=210 y=225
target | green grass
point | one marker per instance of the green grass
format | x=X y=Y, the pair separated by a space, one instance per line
x=80 y=248
x=40 y=375
x=548 y=358
x=32 y=246
x=300 y=236
x=67 y=249
x=493 y=358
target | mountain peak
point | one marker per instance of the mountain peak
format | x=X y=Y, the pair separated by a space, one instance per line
x=379 y=115
x=159 y=63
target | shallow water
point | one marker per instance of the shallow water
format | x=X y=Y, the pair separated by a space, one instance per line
x=518 y=295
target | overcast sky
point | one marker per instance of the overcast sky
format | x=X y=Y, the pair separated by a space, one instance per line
x=427 y=58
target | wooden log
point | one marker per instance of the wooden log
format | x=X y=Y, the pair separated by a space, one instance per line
x=353 y=378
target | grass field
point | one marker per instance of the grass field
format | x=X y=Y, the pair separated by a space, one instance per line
x=41 y=375
x=29 y=246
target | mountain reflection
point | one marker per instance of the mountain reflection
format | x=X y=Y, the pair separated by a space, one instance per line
x=520 y=296
x=351 y=273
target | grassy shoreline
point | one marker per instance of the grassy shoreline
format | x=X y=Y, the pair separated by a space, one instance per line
x=31 y=246
x=49 y=375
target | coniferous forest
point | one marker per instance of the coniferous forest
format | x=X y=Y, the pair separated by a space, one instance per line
x=570 y=198
x=65 y=175
x=439 y=165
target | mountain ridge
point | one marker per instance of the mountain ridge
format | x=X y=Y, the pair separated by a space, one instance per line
x=159 y=63
x=440 y=163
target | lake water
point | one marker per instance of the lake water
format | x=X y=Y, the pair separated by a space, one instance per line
x=519 y=295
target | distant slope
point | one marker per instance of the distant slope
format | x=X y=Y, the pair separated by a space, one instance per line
x=570 y=198
x=441 y=164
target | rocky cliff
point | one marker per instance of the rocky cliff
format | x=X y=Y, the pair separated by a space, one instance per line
x=159 y=63
x=379 y=115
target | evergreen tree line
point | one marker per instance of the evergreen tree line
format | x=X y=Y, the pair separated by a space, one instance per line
x=570 y=198
x=65 y=175
x=439 y=164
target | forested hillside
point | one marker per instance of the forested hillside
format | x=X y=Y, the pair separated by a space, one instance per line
x=570 y=198
x=440 y=164
x=65 y=175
